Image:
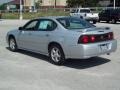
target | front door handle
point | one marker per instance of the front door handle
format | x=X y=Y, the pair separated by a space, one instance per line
x=47 y=35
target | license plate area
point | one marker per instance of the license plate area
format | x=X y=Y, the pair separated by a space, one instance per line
x=104 y=47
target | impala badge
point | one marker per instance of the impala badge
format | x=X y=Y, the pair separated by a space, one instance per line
x=102 y=37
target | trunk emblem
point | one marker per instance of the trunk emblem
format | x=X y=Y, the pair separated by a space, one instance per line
x=102 y=37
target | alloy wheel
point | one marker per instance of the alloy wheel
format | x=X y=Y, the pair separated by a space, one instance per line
x=55 y=54
x=12 y=44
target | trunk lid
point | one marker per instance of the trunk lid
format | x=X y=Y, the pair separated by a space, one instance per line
x=92 y=35
x=95 y=30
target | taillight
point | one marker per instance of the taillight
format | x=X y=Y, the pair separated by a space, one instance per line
x=110 y=36
x=92 y=38
x=86 y=39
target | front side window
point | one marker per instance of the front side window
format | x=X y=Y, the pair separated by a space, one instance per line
x=46 y=25
x=75 y=11
x=31 y=25
x=74 y=23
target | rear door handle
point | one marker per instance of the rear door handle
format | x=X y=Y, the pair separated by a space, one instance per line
x=47 y=35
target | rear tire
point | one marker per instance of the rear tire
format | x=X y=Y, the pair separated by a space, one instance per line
x=12 y=44
x=107 y=21
x=99 y=20
x=113 y=21
x=56 y=55
x=94 y=21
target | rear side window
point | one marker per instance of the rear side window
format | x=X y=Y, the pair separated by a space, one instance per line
x=75 y=11
x=46 y=25
x=107 y=11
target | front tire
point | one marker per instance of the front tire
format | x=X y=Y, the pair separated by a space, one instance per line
x=56 y=55
x=12 y=44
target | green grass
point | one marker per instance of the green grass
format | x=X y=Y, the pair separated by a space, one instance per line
x=32 y=15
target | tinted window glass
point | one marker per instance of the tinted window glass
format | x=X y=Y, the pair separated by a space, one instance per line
x=75 y=11
x=74 y=23
x=31 y=25
x=46 y=25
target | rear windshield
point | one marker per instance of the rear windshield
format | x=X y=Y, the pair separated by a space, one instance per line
x=71 y=23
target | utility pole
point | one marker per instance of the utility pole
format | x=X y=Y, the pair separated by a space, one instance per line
x=55 y=3
x=21 y=9
x=34 y=6
x=114 y=4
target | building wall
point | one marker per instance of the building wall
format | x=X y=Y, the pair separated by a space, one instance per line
x=28 y=2
x=61 y=2
x=48 y=3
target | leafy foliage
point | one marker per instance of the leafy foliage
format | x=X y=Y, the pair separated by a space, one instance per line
x=75 y=3
x=38 y=3
x=3 y=7
x=78 y=3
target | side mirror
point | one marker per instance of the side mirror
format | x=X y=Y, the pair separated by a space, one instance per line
x=20 y=28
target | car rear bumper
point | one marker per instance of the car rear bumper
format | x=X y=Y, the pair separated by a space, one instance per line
x=84 y=51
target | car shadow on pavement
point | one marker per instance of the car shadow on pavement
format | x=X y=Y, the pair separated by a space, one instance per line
x=71 y=63
x=86 y=63
x=32 y=54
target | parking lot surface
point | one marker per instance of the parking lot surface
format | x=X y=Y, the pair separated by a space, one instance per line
x=29 y=71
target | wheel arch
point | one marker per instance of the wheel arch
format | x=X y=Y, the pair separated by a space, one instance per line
x=54 y=43
x=11 y=36
x=60 y=47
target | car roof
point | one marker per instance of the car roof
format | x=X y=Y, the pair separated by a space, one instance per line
x=53 y=17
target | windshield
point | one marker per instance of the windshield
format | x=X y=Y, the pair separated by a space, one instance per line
x=74 y=23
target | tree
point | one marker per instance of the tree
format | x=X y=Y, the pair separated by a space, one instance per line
x=91 y=3
x=116 y=1
x=3 y=6
x=38 y=3
x=85 y=3
x=75 y=3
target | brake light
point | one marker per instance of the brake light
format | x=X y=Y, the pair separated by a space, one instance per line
x=110 y=36
x=86 y=39
x=92 y=38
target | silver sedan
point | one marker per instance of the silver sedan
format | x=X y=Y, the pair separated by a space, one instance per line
x=62 y=38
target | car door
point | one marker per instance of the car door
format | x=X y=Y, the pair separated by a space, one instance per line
x=45 y=28
x=107 y=15
x=101 y=15
x=25 y=37
x=104 y=15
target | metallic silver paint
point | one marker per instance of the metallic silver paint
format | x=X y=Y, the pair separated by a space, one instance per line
x=38 y=41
